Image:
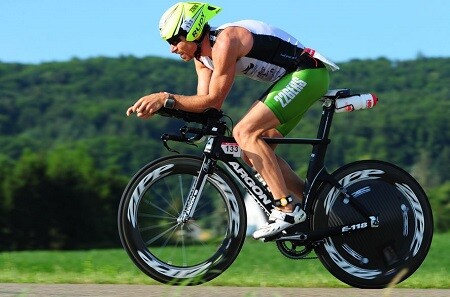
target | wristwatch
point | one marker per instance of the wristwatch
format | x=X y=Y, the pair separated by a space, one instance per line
x=170 y=102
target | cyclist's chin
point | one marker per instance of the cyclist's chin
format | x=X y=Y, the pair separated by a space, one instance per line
x=185 y=57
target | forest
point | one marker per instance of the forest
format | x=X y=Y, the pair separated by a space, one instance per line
x=67 y=148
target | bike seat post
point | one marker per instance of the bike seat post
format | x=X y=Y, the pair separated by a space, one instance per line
x=328 y=108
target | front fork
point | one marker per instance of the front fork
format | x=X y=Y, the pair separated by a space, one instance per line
x=196 y=190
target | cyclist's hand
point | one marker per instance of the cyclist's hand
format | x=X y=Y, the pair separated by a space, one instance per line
x=147 y=105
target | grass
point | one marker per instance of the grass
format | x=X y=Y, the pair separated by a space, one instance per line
x=259 y=264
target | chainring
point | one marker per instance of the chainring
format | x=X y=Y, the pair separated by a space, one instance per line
x=293 y=250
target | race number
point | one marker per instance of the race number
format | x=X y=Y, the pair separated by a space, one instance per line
x=231 y=148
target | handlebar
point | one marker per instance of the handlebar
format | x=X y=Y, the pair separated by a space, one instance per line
x=209 y=119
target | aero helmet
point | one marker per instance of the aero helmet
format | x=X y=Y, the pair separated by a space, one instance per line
x=186 y=18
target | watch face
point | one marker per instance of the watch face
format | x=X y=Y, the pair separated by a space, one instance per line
x=169 y=103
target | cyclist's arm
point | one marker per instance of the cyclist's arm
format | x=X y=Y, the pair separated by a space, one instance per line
x=204 y=78
x=232 y=44
x=224 y=54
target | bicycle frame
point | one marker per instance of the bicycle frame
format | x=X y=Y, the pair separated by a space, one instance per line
x=225 y=149
x=316 y=169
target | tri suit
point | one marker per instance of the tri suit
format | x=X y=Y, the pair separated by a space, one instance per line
x=300 y=76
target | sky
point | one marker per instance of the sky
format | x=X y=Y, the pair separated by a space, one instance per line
x=37 y=31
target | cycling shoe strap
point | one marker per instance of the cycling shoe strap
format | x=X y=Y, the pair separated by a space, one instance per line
x=290 y=217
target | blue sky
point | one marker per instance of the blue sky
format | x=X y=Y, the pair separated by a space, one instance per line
x=35 y=31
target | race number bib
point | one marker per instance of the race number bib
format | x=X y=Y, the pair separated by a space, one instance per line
x=231 y=148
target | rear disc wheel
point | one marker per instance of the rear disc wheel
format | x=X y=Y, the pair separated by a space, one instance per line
x=374 y=257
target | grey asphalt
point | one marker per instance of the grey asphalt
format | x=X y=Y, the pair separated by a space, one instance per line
x=61 y=290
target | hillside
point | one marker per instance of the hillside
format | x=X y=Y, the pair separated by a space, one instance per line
x=70 y=117
x=84 y=101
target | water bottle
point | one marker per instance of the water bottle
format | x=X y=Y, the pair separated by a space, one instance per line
x=356 y=102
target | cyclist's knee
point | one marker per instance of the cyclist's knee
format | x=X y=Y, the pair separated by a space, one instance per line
x=238 y=132
x=243 y=134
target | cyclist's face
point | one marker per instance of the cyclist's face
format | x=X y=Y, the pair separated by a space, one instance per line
x=179 y=45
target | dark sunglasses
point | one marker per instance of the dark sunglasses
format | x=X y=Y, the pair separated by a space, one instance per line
x=174 y=40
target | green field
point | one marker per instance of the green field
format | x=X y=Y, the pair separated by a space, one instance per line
x=259 y=264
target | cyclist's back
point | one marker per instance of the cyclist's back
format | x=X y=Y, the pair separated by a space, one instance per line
x=273 y=54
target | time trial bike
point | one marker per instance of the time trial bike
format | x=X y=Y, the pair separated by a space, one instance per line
x=182 y=218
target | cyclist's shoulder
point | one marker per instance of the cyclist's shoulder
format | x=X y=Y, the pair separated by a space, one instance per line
x=255 y=26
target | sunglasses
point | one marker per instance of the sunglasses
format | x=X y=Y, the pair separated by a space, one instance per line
x=174 y=40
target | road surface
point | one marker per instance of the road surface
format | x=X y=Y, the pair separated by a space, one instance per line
x=53 y=290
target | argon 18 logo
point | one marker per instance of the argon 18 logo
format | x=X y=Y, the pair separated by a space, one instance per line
x=256 y=190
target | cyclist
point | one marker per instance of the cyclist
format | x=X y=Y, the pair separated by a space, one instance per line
x=299 y=77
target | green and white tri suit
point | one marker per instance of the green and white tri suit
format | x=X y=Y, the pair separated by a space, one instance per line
x=300 y=76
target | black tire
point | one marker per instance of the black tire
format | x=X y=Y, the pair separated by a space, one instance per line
x=181 y=253
x=382 y=256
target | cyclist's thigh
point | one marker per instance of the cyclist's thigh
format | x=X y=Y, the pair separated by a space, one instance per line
x=292 y=96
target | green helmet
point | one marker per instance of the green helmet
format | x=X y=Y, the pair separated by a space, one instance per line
x=186 y=18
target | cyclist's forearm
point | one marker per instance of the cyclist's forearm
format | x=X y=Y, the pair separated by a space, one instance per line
x=196 y=103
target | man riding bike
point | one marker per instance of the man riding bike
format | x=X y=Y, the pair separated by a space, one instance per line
x=299 y=77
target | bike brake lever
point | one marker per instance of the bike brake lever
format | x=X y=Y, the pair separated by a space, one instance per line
x=165 y=138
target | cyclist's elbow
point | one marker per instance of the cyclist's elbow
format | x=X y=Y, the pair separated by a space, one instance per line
x=214 y=102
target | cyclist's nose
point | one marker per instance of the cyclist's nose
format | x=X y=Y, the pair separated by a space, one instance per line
x=173 y=48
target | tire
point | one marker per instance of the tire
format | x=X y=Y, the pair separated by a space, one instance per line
x=382 y=256
x=181 y=253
